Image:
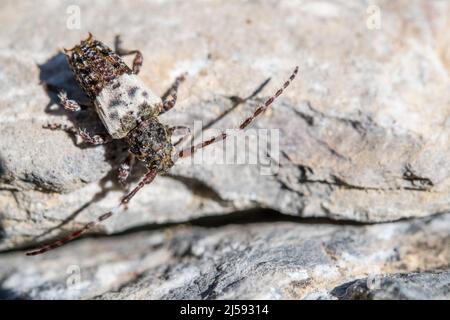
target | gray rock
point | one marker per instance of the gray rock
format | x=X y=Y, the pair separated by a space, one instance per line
x=411 y=286
x=271 y=260
x=363 y=131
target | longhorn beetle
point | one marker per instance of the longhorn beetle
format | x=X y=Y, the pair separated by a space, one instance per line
x=128 y=110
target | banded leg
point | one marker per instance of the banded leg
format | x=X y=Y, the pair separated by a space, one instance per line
x=138 y=58
x=125 y=169
x=82 y=133
x=148 y=178
x=179 y=128
x=172 y=92
x=222 y=136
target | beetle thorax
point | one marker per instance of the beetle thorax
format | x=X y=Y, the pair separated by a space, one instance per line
x=150 y=141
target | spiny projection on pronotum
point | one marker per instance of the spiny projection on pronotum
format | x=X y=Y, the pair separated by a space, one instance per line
x=129 y=110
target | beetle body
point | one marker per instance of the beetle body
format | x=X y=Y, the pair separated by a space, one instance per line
x=126 y=106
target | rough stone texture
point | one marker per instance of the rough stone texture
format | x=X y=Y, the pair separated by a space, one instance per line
x=413 y=286
x=276 y=260
x=364 y=136
x=363 y=131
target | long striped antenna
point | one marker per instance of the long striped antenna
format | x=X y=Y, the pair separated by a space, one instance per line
x=148 y=178
x=222 y=136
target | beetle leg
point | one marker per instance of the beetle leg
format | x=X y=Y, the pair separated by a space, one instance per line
x=185 y=136
x=67 y=103
x=138 y=58
x=172 y=92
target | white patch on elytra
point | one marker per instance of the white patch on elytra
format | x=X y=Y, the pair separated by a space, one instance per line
x=124 y=98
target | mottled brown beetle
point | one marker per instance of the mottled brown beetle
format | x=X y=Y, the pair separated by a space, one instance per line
x=129 y=110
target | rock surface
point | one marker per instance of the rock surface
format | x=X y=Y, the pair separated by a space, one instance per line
x=276 y=260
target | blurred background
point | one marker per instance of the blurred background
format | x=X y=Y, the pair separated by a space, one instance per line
x=350 y=202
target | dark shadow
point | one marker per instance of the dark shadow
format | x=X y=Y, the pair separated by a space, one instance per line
x=198 y=188
x=95 y=198
x=244 y=217
x=9 y=294
x=2 y=167
x=3 y=178
x=55 y=75
x=104 y=190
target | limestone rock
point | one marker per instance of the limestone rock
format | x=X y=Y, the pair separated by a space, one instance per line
x=363 y=131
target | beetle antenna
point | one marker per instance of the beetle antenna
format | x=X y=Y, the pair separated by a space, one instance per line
x=222 y=136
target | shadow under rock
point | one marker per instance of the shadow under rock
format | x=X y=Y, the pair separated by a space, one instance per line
x=55 y=76
x=2 y=232
x=2 y=167
x=340 y=292
x=242 y=217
